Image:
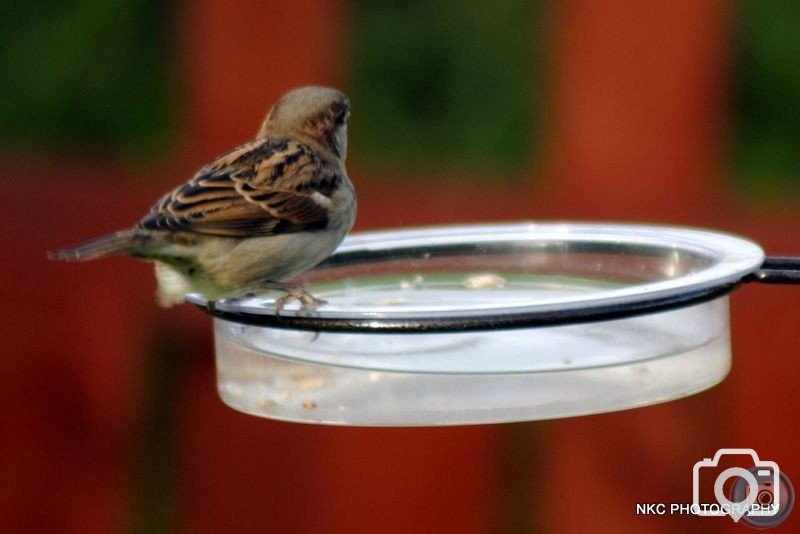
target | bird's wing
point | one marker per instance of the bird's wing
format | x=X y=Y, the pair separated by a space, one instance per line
x=261 y=188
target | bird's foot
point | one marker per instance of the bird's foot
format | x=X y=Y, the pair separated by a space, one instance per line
x=308 y=302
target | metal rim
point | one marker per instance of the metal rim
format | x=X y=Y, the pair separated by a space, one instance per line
x=484 y=322
x=735 y=260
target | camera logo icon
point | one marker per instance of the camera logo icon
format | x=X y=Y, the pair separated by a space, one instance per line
x=760 y=494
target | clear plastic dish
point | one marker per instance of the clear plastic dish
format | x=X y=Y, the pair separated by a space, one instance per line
x=487 y=324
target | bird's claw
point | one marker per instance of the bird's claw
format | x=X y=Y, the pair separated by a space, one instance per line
x=308 y=302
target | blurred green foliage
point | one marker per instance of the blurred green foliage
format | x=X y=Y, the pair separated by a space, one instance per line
x=445 y=83
x=766 y=142
x=84 y=74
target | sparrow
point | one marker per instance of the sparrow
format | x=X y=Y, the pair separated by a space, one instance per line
x=256 y=216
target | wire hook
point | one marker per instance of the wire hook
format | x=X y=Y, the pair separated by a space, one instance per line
x=777 y=270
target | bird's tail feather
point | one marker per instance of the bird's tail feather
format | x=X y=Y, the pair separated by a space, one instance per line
x=117 y=243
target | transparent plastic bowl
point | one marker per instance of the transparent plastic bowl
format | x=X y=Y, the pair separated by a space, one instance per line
x=488 y=324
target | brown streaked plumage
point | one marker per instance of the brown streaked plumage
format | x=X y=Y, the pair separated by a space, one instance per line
x=261 y=188
x=254 y=217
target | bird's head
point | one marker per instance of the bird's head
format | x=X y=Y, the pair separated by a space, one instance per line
x=318 y=114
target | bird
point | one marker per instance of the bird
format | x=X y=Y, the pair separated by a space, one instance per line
x=256 y=216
